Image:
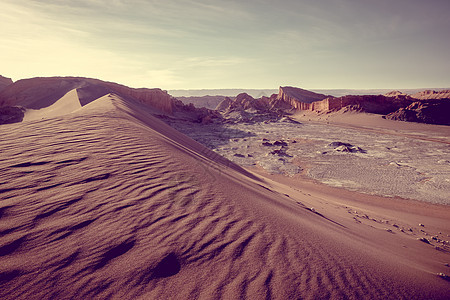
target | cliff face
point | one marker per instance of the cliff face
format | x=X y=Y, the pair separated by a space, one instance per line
x=295 y=98
x=36 y=93
x=155 y=98
x=288 y=93
x=377 y=104
x=4 y=82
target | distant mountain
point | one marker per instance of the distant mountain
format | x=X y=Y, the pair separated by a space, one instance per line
x=431 y=94
x=209 y=102
x=257 y=93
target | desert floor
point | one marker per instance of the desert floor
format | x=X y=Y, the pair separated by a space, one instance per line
x=395 y=159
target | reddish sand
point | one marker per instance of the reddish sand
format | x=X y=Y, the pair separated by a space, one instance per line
x=110 y=202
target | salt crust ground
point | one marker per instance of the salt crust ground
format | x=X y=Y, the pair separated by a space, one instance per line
x=398 y=160
x=109 y=202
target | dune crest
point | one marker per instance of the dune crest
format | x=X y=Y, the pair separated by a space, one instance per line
x=65 y=105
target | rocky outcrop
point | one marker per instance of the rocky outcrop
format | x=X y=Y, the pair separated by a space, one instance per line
x=224 y=104
x=346 y=147
x=245 y=108
x=4 y=82
x=429 y=94
x=244 y=101
x=431 y=112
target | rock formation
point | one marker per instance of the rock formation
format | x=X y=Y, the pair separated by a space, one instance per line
x=288 y=98
x=376 y=104
x=224 y=104
x=295 y=98
x=288 y=93
x=429 y=94
x=245 y=108
x=426 y=111
x=246 y=102
x=346 y=147
x=4 y=82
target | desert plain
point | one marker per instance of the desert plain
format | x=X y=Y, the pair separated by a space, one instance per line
x=109 y=192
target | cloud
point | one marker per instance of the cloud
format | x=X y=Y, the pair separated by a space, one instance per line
x=216 y=43
x=213 y=62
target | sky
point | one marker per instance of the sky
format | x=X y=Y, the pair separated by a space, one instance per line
x=187 y=44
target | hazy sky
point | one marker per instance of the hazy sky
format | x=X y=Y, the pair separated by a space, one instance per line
x=181 y=44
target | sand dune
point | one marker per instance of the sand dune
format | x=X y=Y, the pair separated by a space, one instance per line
x=65 y=105
x=110 y=202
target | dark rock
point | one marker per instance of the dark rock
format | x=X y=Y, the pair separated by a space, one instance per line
x=11 y=114
x=425 y=240
x=346 y=147
x=280 y=152
x=337 y=144
x=430 y=111
x=280 y=143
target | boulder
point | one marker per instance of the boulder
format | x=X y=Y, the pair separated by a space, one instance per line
x=11 y=114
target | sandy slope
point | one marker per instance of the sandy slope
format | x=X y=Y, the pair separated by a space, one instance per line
x=111 y=202
x=66 y=104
